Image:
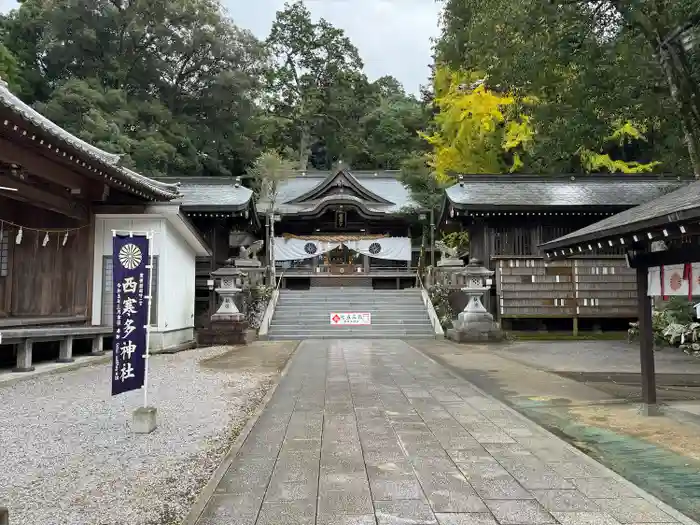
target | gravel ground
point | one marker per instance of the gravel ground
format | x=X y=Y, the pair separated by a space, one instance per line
x=67 y=455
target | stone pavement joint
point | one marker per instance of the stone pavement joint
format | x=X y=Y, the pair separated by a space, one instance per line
x=364 y=432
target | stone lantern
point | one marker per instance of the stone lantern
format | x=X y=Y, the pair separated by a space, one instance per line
x=228 y=324
x=230 y=285
x=474 y=323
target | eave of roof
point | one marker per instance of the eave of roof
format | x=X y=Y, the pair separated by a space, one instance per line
x=100 y=161
x=223 y=194
x=513 y=192
x=643 y=223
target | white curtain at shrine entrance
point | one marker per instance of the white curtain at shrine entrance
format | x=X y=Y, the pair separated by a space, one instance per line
x=299 y=249
x=387 y=248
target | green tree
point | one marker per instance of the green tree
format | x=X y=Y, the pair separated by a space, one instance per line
x=391 y=126
x=578 y=70
x=670 y=31
x=315 y=81
x=186 y=78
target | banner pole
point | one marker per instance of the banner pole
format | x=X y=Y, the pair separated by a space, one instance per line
x=148 y=317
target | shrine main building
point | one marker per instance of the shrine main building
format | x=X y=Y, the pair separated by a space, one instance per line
x=332 y=228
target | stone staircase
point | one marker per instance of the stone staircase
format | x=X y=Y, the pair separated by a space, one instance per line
x=305 y=314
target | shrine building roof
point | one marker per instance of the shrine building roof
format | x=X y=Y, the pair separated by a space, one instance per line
x=303 y=193
x=377 y=192
x=532 y=192
x=213 y=194
x=652 y=220
x=31 y=127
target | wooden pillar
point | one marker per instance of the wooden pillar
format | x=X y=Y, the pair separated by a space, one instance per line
x=212 y=267
x=646 y=343
x=65 y=353
x=24 y=356
x=98 y=345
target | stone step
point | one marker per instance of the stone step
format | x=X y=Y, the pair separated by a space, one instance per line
x=304 y=314
x=351 y=307
x=285 y=326
x=275 y=337
x=349 y=291
x=324 y=316
x=325 y=334
x=344 y=297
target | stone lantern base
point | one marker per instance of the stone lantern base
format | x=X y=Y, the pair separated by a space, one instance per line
x=223 y=333
x=475 y=327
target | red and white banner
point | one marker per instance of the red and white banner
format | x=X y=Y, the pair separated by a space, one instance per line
x=351 y=318
x=675 y=279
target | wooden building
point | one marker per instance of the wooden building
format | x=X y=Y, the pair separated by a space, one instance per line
x=509 y=216
x=364 y=226
x=663 y=233
x=51 y=185
x=339 y=206
x=223 y=212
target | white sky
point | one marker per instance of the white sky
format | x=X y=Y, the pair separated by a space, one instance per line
x=393 y=36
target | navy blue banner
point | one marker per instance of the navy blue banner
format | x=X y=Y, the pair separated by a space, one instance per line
x=130 y=258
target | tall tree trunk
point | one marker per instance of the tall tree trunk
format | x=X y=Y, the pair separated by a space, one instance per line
x=304 y=148
x=691 y=132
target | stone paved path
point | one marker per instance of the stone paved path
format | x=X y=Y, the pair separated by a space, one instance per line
x=372 y=432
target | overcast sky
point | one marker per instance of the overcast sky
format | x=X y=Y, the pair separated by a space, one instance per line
x=393 y=36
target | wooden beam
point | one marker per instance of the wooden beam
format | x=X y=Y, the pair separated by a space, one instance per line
x=687 y=253
x=646 y=341
x=40 y=166
x=43 y=199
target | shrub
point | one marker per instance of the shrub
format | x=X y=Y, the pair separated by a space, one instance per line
x=674 y=326
x=255 y=301
x=440 y=297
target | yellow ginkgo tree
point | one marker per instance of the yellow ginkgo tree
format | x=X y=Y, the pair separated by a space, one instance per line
x=479 y=130
x=475 y=129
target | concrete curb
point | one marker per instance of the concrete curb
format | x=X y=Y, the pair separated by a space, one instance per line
x=680 y=415
x=82 y=361
x=683 y=519
x=210 y=488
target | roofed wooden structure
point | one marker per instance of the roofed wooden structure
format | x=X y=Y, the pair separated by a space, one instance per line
x=510 y=216
x=52 y=183
x=660 y=232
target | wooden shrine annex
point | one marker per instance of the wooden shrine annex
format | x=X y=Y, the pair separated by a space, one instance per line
x=60 y=199
x=509 y=216
x=662 y=234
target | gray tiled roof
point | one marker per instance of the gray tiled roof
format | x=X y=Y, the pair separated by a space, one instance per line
x=204 y=193
x=384 y=184
x=513 y=191
x=671 y=207
x=108 y=161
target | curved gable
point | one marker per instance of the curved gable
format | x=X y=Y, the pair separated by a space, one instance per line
x=340 y=184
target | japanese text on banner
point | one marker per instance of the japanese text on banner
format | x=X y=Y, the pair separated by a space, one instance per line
x=130 y=275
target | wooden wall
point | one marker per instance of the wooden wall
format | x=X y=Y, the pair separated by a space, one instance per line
x=52 y=280
x=583 y=287
x=526 y=288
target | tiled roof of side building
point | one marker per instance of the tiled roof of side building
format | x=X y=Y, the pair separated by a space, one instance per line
x=212 y=193
x=541 y=191
x=109 y=162
x=684 y=203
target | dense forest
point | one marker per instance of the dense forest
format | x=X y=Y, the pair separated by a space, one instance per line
x=180 y=89
x=560 y=86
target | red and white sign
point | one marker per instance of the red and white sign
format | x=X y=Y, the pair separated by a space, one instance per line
x=351 y=318
x=675 y=279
